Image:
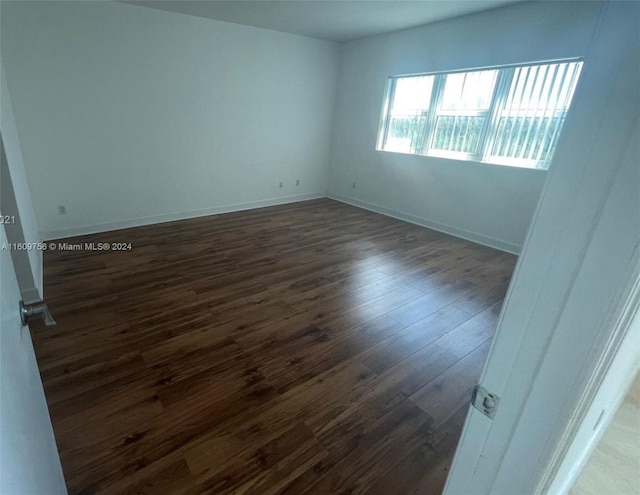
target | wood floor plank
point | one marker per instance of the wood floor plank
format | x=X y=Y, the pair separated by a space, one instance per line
x=468 y=335
x=411 y=339
x=286 y=367
x=305 y=348
x=384 y=392
x=367 y=444
x=421 y=307
x=424 y=469
x=335 y=389
x=451 y=390
x=168 y=475
x=481 y=298
x=266 y=468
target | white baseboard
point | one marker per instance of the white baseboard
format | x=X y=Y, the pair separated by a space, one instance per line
x=170 y=217
x=424 y=222
x=216 y=210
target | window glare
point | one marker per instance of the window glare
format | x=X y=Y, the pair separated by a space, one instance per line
x=469 y=90
x=406 y=128
x=412 y=94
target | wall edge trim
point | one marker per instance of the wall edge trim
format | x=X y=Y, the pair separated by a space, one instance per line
x=501 y=245
x=172 y=217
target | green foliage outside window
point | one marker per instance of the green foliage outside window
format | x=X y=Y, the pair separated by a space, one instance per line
x=410 y=128
x=458 y=133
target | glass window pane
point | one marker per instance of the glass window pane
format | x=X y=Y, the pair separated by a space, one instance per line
x=512 y=142
x=543 y=86
x=469 y=90
x=406 y=133
x=411 y=95
x=457 y=133
x=520 y=127
x=534 y=112
x=408 y=114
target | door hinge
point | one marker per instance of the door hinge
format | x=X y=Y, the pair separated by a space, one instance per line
x=484 y=401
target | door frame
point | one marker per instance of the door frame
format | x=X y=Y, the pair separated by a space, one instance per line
x=613 y=375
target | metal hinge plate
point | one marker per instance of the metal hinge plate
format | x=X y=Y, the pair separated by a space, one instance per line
x=484 y=401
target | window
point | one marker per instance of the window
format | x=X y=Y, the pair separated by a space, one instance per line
x=509 y=116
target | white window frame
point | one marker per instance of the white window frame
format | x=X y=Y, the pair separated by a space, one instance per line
x=488 y=134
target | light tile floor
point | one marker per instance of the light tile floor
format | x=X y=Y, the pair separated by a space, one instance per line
x=614 y=466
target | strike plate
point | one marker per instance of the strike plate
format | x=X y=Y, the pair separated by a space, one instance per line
x=484 y=401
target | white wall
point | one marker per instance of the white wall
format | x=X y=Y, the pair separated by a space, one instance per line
x=130 y=115
x=486 y=203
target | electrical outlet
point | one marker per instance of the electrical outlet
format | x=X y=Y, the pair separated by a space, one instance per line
x=281 y=184
x=62 y=209
x=353 y=186
x=297 y=182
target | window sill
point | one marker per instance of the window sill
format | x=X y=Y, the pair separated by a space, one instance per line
x=461 y=160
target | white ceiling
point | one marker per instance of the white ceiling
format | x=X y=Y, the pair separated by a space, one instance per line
x=333 y=20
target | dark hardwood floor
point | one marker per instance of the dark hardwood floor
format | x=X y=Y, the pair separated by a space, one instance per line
x=309 y=348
